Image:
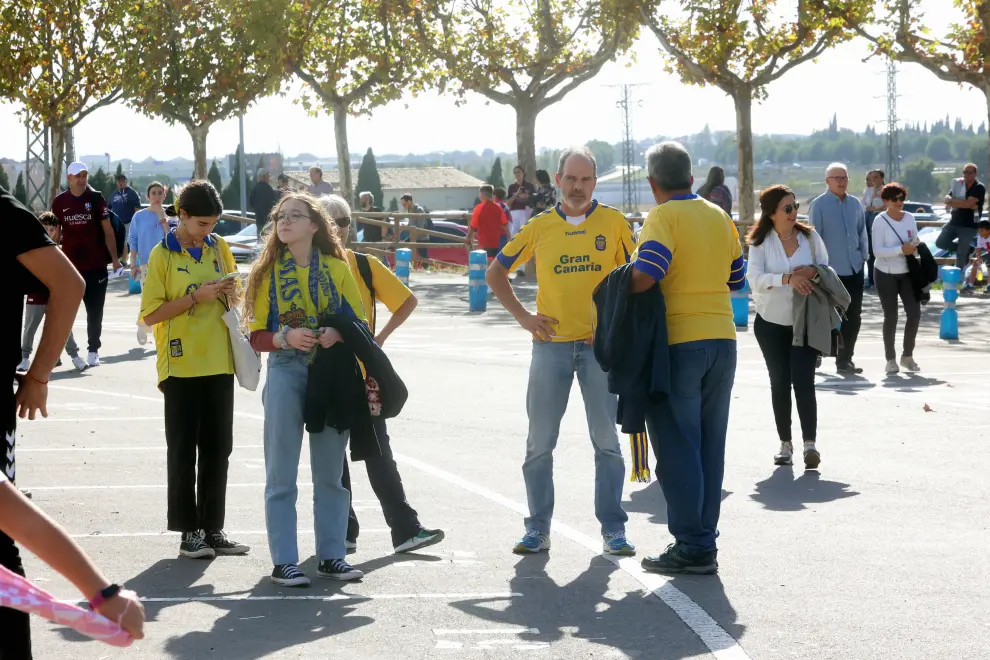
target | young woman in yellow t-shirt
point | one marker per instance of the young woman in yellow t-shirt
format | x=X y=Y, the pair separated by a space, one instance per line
x=302 y=272
x=180 y=300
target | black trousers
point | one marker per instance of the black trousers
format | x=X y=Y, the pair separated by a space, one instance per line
x=854 y=316
x=383 y=474
x=789 y=367
x=94 y=299
x=889 y=288
x=15 y=626
x=199 y=417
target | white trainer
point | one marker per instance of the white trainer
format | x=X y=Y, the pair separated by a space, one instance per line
x=93 y=359
x=892 y=367
x=24 y=365
x=908 y=363
x=79 y=363
x=786 y=454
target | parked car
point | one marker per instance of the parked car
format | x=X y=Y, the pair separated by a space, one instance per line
x=249 y=237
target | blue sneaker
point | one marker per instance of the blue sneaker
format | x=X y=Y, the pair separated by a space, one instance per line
x=616 y=544
x=531 y=543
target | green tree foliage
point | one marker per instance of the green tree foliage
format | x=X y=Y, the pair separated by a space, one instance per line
x=604 y=155
x=101 y=182
x=393 y=205
x=368 y=179
x=4 y=180
x=57 y=60
x=939 y=149
x=526 y=55
x=170 y=195
x=743 y=47
x=198 y=62
x=120 y=170
x=496 y=177
x=20 y=192
x=214 y=175
x=918 y=179
x=231 y=195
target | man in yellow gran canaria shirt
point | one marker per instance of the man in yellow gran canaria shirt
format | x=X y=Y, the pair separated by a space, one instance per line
x=576 y=244
x=690 y=247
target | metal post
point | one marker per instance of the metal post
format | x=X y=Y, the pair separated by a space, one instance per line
x=402 y=258
x=948 y=327
x=37 y=156
x=477 y=287
x=242 y=168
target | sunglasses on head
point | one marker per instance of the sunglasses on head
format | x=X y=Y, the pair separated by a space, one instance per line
x=342 y=222
x=792 y=207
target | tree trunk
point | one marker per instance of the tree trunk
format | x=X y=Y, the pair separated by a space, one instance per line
x=526 y=112
x=345 y=186
x=986 y=93
x=198 y=135
x=58 y=156
x=743 y=97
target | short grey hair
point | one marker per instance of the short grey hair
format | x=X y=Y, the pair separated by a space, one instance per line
x=336 y=206
x=583 y=152
x=837 y=166
x=668 y=165
x=364 y=194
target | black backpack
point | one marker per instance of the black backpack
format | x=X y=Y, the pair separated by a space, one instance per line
x=365 y=269
x=119 y=231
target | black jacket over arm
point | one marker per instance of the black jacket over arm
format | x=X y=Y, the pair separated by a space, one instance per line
x=631 y=346
x=335 y=390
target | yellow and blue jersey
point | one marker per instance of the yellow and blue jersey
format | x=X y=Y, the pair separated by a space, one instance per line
x=571 y=260
x=692 y=248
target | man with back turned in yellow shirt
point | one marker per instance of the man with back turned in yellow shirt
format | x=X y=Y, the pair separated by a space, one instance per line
x=690 y=247
x=575 y=245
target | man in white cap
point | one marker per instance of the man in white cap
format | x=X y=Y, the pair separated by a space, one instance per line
x=88 y=241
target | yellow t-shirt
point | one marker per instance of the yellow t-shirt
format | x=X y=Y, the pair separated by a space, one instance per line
x=189 y=345
x=304 y=313
x=571 y=260
x=691 y=246
x=389 y=289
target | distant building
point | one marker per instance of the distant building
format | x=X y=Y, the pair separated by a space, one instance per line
x=433 y=188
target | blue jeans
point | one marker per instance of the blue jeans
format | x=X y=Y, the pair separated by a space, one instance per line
x=283 y=395
x=551 y=374
x=688 y=435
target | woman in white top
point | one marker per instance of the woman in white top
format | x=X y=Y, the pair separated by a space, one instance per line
x=782 y=252
x=895 y=235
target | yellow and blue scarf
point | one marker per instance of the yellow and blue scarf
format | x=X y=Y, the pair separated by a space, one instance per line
x=285 y=294
x=640 y=457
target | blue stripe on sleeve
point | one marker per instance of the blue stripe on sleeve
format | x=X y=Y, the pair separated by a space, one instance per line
x=507 y=260
x=737 y=276
x=653 y=259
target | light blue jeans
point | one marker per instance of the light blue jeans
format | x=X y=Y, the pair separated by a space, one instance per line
x=283 y=396
x=551 y=373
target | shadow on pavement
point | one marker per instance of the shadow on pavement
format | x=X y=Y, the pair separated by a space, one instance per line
x=131 y=355
x=452 y=299
x=782 y=492
x=651 y=500
x=635 y=623
x=910 y=382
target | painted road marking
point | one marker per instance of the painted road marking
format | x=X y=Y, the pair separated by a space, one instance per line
x=331 y=597
x=127 y=535
x=31 y=450
x=482 y=631
x=719 y=642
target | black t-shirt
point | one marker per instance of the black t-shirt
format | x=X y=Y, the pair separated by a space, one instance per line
x=969 y=217
x=372 y=233
x=21 y=233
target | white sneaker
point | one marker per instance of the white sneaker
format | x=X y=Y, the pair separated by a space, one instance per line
x=892 y=367
x=93 y=359
x=24 y=365
x=785 y=455
x=908 y=363
x=142 y=334
x=79 y=363
x=812 y=459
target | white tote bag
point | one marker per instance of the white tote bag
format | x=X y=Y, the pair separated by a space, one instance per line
x=247 y=362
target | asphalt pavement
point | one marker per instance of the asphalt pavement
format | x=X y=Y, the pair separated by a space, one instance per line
x=881 y=553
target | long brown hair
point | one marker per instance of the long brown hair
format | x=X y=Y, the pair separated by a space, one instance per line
x=325 y=240
x=769 y=201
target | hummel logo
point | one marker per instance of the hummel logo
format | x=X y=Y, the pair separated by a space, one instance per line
x=182 y=269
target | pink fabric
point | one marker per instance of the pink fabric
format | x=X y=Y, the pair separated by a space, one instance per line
x=19 y=594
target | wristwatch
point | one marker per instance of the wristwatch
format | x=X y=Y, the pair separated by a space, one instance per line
x=104 y=596
x=279 y=338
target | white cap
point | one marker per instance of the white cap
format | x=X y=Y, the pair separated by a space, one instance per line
x=76 y=167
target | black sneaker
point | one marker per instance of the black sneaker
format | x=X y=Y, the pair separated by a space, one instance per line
x=217 y=539
x=337 y=569
x=289 y=575
x=677 y=560
x=194 y=546
x=848 y=368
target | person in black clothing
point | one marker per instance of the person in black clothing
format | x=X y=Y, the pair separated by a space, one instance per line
x=263 y=198
x=30 y=262
x=966 y=201
x=372 y=233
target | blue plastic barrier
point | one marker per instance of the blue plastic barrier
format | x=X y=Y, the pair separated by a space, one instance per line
x=740 y=305
x=477 y=287
x=133 y=285
x=948 y=327
x=402 y=258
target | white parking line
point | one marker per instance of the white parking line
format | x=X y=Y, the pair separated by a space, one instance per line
x=130 y=535
x=719 y=642
x=32 y=450
x=492 y=631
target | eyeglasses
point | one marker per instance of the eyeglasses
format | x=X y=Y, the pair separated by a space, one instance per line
x=792 y=207
x=291 y=219
x=342 y=222
x=838 y=178
x=969 y=171
x=897 y=200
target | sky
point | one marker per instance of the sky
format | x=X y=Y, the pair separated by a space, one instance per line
x=801 y=101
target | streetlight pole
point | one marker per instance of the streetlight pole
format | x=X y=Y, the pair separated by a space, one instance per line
x=240 y=169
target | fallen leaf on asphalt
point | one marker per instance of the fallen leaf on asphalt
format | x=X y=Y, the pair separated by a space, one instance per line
x=927 y=408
